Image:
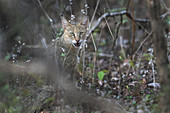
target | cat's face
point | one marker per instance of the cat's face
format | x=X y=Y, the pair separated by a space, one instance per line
x=74 y=34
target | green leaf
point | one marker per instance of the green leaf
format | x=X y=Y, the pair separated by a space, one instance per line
x=7 y=57
x=97 y=30
x=124 y=21
x=128 y=88
x=122 y=54
x=62 y=30
x=94 y=34
x=167 y=20
x=131 y=63
x=120 y=58
x=100 y=75
x=134 y=102
x=49 y=99
x=103 y=43
x=148 y=97
x=5 y=88
x=99 y=51
x=105 y=71
x=63 y=55
x=59 y=34
x=148 y=57
x=91 y=66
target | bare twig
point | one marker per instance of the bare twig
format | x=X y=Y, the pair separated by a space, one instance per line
x=48 y=17
x=124 y=12
x=101 y=55
x=153 y=70
x=109 y=29
x=101 y=18
x=95 y=48
x=117 y=31
x=43 y=42
x=142 y=44
x=128 y=6
x=34 y=46
x=118 y=27
x=143 y=28
x=83 y=52
x=138 y=50
x=133 y=24
x=86 y=11
x=71 y=11
x=98 y=1
x=164 y=5
x=165 y=14
x=94 y=13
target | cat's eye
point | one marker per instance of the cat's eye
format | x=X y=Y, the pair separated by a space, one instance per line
x=80 y=33
x=72 y=34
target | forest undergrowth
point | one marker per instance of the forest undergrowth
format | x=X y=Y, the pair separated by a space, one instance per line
x=133 y=83
x=115 y=66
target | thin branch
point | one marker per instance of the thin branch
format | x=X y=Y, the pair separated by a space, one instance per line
x=163 y=3
x=133 y=26
x=94 y=44
x=48 y=17
x=100 y=55
x=124 y=12
x=153 y=70
x=118 y=27
x=142 y=44
x=86 y=7
x=137 y=19
x=109 y=28
x=72 y=16
x=128 y=6
x=117 y=31
x=94 y=12
x=165 y=14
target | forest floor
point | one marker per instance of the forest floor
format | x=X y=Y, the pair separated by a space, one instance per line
x=133 y=83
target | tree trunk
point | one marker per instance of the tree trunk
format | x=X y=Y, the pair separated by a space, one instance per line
x=160 y=51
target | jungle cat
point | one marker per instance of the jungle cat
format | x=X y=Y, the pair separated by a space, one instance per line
x=65 y=48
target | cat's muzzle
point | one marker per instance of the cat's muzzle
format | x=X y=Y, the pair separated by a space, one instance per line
x=77 y=44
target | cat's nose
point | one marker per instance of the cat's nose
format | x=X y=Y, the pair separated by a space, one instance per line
x=77 y=40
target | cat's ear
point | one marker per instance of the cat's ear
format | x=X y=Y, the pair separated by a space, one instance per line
x=64 y=22
x=84 y=21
